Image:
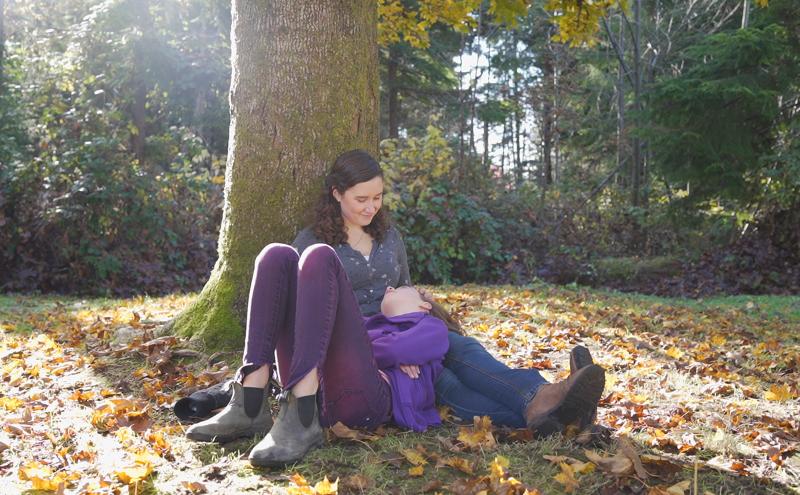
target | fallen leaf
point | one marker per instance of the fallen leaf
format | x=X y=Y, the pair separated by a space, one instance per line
x=414 y=457
x=339 y=430
x=619 y=464
x=416 y=471
x=679 y=488
x=325 y=487
x=779 y=393
x=567 y=478
x=479 y=436
x=458 y=463
x=627 y=449
x=194 y=486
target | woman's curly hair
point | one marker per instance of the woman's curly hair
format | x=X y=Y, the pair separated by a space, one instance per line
x=349 y=169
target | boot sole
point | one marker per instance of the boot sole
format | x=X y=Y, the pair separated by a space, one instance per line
x=202 y=437
x=580 y=400
x=277 y=463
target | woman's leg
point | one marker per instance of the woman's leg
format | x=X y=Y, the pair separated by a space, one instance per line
x=478 y=370
x=270 y=312
x=269 y=320
x=330 y=338
x=331 y=342
x=467 y=403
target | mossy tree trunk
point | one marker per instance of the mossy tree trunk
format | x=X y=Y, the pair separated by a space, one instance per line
x=304 y=88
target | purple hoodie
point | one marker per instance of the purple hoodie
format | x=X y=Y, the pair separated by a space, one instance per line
x=412 y=338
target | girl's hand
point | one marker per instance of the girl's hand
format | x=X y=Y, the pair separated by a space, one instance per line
x=411 y=370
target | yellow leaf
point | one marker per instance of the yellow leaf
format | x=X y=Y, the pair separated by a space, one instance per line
x=479 y=436
x=679 y=488
x=498 y=467
x=298 y=479
x=134 y=474
x=779 y=393
x=459 y=463
x=567 y=478
x=219 y=179
x=413 y=457
x=674 y=353
x=325 y=487
x=10 y=404
x=416 y=471
x=41 y=476
x=718 y=340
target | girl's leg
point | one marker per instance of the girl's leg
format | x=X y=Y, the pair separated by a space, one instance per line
x=478 y=370
x=467 y=403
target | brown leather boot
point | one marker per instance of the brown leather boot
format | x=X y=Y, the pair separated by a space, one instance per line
x=580 y=357
x=556 y=405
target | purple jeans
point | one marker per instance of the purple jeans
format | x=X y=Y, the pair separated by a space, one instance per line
x=303 y=309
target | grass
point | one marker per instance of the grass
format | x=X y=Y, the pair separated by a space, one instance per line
x=660 y=378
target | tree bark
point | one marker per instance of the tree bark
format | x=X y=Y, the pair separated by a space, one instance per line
x=393 y=93
x=2 y=39
x=139 y=104
x=304 y=89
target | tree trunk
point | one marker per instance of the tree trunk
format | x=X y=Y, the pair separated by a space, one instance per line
x=304 y=89
x=546 y=131
x=637 y=105
x=2 y=39
x=393 y=93
x=621 y=98
x=139 y=82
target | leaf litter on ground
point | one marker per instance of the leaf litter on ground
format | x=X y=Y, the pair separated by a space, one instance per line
x=713 y=390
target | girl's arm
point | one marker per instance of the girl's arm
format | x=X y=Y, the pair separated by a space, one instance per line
x=424 y=342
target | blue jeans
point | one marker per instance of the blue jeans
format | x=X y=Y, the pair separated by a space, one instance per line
x=474 y=383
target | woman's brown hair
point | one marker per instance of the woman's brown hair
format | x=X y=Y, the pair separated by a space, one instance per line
x=349 y=168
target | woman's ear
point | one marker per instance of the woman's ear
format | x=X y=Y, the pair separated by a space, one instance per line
x=426 y=306
x=336 y=195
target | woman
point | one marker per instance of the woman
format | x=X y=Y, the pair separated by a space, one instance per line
x=308 y=311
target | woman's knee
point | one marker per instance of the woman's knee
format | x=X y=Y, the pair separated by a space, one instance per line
x=317 y=256
x=275 y=253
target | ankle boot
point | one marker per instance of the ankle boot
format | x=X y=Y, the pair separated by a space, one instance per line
x=289 y=440
x=580 y=357
x=233 y=422
x=557 y=405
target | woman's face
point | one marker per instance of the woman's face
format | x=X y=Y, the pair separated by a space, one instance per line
x=361 y=202
x=402 y=300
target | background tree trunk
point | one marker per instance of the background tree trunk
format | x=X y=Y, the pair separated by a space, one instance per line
x=304 y=89
x=2 y=39
x=394 y=93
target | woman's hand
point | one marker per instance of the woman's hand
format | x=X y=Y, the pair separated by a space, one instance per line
x=425 y=294
x=411 y=370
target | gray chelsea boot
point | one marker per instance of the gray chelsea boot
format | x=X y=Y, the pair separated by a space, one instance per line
x=289 y=440
x=233 y=422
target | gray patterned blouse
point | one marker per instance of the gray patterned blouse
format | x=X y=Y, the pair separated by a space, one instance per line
x=387 y=266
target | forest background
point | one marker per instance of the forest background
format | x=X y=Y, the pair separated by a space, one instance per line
x=661 y=155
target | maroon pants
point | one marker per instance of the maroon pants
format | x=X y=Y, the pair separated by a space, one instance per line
x=303 y=309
